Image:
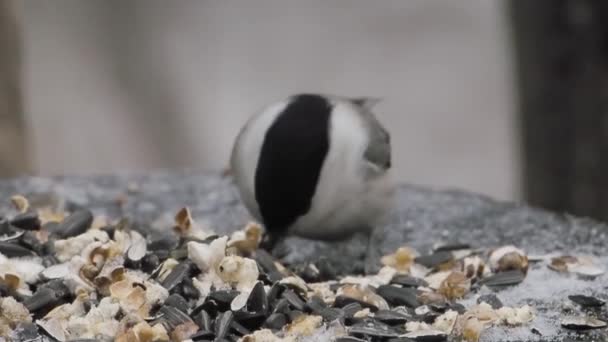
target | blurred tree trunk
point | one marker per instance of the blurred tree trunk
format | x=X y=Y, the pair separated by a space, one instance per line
x=13 y=149
x=561 y=51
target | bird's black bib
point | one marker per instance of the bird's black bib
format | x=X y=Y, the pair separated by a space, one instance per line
x=289 y=166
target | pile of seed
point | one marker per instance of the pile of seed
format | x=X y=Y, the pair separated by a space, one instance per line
x=70 y=276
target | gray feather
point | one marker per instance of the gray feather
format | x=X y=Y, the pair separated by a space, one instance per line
x=378 y=150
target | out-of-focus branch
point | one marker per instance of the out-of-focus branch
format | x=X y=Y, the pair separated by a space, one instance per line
x=562 y=57
x=13 y=140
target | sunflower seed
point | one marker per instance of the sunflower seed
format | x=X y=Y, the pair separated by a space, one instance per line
x=176 y=276
x=177 y=301
x=203 y=320
x=408 y=281
x=315 y=304
x=276 y=321
x=373 y=329
x=14 y=236
x=27 y=221
x=398 y=296
x=13 y=250
x=43 y=298
x=203 y=335
x=434 y=260
x=150 y=262
x=582 y=323
x=390 y=317
x=222 y=324
x=172 y=317
x=257 y=302
x=294 y=300
x=427 y=336
x=586 y=301
x=75 y=224
x=501 y=279
x=490 y=299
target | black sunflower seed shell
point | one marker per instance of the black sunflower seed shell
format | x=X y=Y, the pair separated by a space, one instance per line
x=331 y=314
x=391 y=317
x=257 y=301
x=490 y=299
x=172 y=317
x=587 y=301
x=176 y=276
x=43 y=298
x=315 y=304
x=373 y=328
x=27 y=221
x=239 y=329
x=508 y=278
x=13 y=250
x=398 y=296
x=177 y=301
x=344 y=301
x=203 y=320
x=222 y=324
x=294 y=300
x=435 y=259
x=75 y=224
x=408 y=281
x=276 y=321
x=293 y=315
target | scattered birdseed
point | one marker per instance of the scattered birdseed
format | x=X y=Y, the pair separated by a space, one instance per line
x=73 y=275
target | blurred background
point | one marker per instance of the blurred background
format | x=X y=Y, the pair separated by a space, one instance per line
x=503 y=98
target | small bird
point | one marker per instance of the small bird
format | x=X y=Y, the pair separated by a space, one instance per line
x=314 y=166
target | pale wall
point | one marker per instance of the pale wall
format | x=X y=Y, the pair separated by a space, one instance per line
x=99 y=72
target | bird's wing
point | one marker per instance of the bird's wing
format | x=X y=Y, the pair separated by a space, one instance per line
x=378 y=151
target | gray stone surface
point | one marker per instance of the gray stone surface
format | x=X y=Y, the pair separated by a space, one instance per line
x=422 y=218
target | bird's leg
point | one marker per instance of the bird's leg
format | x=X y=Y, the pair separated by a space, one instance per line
x=274 y=244
x=268 y=241
x=370 y=265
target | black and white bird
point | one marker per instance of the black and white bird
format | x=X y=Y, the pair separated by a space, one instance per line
x=314 y=166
